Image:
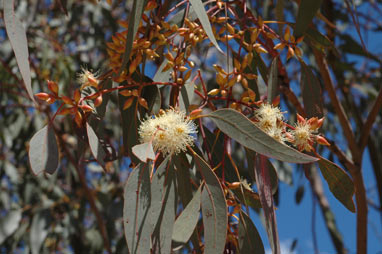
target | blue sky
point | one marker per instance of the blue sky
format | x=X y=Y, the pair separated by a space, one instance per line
x=295 y=221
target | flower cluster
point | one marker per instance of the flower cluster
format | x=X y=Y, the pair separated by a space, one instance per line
x=170 y=132
x=303 y=135
x=270 y=120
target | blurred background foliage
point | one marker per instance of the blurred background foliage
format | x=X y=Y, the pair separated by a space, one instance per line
x=53 y=214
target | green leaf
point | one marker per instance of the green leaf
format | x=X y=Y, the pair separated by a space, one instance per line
x=306 y=12
x=43 y=151
x=273 y=81
x=214 y=209
x=249 y=238
x=129 y=126
x=318 y=38
x=186 y=222
x=240 y=128
x=39 y=229
x=162 y=236
x=311 y=92
x=260 y=65
x=135 y=18
x=203 y=18
x=160 y=75
x=18 y=39
x=95 y=146
x=264 y=187
x=340 y=183
x=136 y=210
x=9 y=223
x=144 y=151
x=187 y=92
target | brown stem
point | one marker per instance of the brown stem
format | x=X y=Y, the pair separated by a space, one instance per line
x=329 y=86
x=354 y=168
x=360 y=197
x=89 y=195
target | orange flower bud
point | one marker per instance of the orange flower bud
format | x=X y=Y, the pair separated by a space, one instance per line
x=42 y=96
x=213 y=92
x=53 y=87
x=67 y=100
x=86 y=108
x=98 y=100
x=143 y=103
x=300 y=119
x=78 y=119
x=128 y=103
x=195 y=113
x=77 y=96
x=125 y=92
x=322 y=141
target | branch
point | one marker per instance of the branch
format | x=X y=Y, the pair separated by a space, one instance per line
x=89 y=195
x=329 y=86
x=365 y=133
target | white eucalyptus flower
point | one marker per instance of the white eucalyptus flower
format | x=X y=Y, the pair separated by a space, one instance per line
x=170 y=132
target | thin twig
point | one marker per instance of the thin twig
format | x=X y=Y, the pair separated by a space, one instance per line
x=89 y=195
x=366 y=130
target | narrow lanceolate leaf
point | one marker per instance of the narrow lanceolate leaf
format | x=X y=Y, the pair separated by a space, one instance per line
x=306 y=12
x=214 y=209
x=273 y=81
x=340 y=183
x=39 y=230
x=263 y=183
x=249 y=238
x=240 y=128
x=95 y=146
x=43 y=151
x=162 y=236
x=129 y=126
x=311 y=92
x=18 y=39
x=9 y=223
x=187 y=220
x=136 y=207
x=135 y=18
x=144 y=151
x=203 y=18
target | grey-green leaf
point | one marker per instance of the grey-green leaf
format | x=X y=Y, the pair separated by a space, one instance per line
x=9 y=223
x=95 y=146
x=240 y=128
x=249 y=238
x=162 y=236
x=18 y=39
x=187 y=220
x=273 y=81
x=43 y=151
x=136 y=207
x=39 y=230
x=214 y=209
x=144 y=151
x=340 y=183
x=306 y=12
x=311 y=92
x=203 y=17
x=135 y=18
